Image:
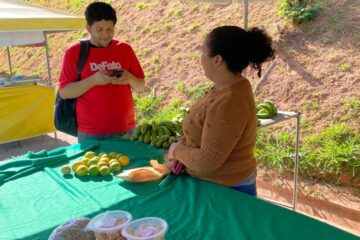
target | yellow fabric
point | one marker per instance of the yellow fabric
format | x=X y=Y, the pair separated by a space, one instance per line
x=46 y=24
x=26 y=111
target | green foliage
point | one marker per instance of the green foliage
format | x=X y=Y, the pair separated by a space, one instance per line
x=140 y=6
x=193 y=27
x=175 y=12
x=148 y=73
x=193 y=8
x=312 y=105
x=168 y=112
x=200 y=90
x=181 y=87
x=155 y=59
x=146 y=106
x=144 y=51
x=195 y=56
x=333 y=151
x=344 y=67
x=353 y=105
x=169 y=27
x=195 y=92
x=38 y=72
x=157 y=68
x=297 y=11
x=275 y=149
x=76 y=3
x=326 y=40
x=154 y=31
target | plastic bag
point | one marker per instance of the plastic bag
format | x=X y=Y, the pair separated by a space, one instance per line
x=145 y=174
x=73 y=229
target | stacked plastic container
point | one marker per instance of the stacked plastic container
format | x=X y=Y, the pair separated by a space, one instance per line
x=149 y=228
x=108 y=225
x=117 y=225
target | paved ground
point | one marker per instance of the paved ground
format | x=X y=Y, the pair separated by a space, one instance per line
x=35 y=144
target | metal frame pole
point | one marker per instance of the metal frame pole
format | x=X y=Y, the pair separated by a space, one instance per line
x=9 y=60
x=49 y=68
x=47 y=59
x=246 y=13
x=296 y=161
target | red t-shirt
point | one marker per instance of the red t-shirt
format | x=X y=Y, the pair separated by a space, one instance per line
x=104 y=109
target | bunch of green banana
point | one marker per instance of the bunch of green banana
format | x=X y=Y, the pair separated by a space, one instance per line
x=266 y=109
x=160 y=135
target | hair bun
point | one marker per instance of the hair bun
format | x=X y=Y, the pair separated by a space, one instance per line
x=260 y=47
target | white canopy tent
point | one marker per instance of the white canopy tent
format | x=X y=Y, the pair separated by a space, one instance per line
x=27 y=111
x=23 y=23
x=19 y=19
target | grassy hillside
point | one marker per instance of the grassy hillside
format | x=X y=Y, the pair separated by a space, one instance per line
x=316 y=70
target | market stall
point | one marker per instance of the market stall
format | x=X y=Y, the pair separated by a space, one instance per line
x=25 y=111
x=34 y=204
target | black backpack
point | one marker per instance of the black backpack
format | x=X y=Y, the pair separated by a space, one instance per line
x=65 y=118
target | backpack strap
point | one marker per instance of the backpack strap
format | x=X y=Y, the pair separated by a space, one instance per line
x=84 y=51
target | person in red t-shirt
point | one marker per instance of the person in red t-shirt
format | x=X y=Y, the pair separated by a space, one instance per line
x=104 y=105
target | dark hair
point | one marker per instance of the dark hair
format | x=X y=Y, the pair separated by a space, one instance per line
x=98 y=11
x=239 y=48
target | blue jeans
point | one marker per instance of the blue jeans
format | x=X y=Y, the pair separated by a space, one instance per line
x=82 y=137
x=247 y=186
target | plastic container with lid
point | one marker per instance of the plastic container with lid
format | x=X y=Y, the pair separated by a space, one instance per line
x=108 y=225
x=149 y=228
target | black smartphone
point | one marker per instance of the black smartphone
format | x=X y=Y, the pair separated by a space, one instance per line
x=116 y=73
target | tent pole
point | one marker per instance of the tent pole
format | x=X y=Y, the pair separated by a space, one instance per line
x=246 y=13
x=9 y=60
x=47 y=59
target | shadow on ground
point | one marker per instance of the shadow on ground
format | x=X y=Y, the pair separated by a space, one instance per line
x=45 y=142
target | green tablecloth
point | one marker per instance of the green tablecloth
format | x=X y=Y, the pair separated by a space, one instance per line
x=32 y=206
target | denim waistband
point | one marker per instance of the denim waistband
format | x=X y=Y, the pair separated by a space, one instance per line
x=250 y=180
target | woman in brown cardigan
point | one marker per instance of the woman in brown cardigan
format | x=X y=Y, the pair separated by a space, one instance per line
x=220 y=129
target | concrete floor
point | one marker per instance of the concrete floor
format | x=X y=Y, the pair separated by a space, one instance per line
x=35 y=144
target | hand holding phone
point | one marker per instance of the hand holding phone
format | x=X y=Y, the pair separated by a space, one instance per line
x=116 y=73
